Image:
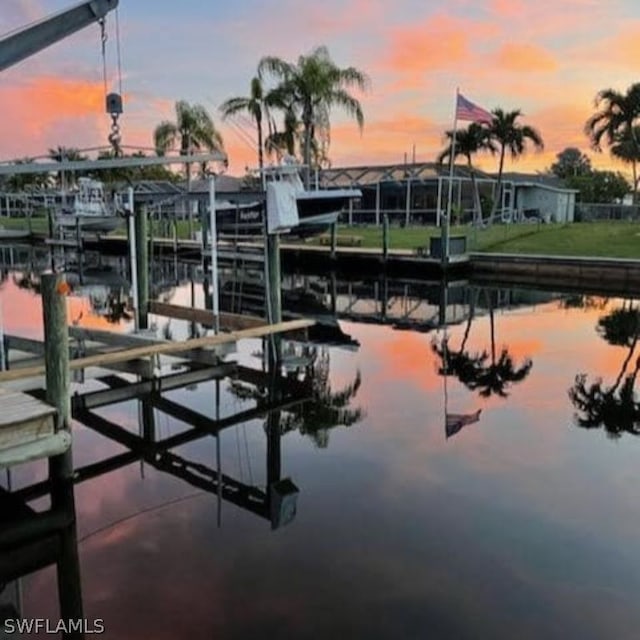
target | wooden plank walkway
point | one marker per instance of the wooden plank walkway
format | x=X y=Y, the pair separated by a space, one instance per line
x=166 y=348
x=27 y=429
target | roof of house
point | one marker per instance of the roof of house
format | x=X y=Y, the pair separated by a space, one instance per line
x=373 y=174
x=546 y=179
x=224 y=184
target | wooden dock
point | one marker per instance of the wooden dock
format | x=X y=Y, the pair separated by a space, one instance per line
x=28 y=429
x=165 y=348
x=355 y=258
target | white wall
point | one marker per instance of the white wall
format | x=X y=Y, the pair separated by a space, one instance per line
x=554 y=206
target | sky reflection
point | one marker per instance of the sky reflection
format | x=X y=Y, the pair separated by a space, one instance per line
x=521 y=525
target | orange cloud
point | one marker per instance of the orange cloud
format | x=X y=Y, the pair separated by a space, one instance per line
x=442 y=41
x=524 y=57
x=48 y=111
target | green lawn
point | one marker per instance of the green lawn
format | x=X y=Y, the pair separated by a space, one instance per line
x=610 y=239
x=607 y=239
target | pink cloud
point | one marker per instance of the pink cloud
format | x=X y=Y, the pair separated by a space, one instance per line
x=523 y=58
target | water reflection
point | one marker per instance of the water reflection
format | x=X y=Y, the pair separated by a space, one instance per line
x=614 y=406
x=31 y=540
x=510 y=532
x=308 y=369
x=485 y=371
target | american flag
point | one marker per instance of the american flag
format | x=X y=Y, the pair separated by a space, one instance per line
x=455 y=421
x=466 y=110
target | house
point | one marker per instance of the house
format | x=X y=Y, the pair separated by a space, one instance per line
x=417 y=193
x=413 y=193
x=537 y=196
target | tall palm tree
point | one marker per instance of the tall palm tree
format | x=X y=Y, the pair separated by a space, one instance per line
x=614 y=121
x=627 y=149
x=469 y=141
x=193 y=130
x=256 y=105
x=312 y=87
x=510 y=137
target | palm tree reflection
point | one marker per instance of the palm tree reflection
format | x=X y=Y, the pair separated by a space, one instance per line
x=613 y=407
x=325 y=407
x=483 y=371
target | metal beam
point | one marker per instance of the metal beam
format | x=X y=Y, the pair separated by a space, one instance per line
x=108 y=163
x=24 y=42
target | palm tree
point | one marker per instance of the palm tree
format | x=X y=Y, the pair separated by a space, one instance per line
x=256 y=105
x=66 y=154
x=28 y=181
x=193 y=130
x=615 y=121
x=626 y=149
x=285 y=141
x=312 y=87
x=469 y=141
x=510 y=137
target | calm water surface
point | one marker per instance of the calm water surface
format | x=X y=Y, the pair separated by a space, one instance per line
x=522 y=524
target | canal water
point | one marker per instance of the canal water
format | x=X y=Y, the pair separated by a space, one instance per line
x=473 y=480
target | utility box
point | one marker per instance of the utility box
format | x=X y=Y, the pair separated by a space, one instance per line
x=283 y=498
x=457 y=246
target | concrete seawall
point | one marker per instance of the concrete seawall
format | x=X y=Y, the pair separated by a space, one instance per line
x=616 y=275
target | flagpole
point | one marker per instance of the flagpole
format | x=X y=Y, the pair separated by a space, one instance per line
x=447 y=226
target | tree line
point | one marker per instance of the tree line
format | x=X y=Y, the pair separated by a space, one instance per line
x=290 y=106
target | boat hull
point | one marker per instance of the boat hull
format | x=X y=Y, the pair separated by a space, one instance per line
x=317 y=211
x=94 y=224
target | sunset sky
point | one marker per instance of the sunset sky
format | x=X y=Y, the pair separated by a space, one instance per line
x=548 y=58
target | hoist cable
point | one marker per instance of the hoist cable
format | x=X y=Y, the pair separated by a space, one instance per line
x=118 y=52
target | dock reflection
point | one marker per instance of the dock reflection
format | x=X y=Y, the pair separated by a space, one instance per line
x=31 y=540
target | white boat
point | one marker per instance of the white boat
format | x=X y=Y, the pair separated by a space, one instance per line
x=90 y=211
x=317 y=209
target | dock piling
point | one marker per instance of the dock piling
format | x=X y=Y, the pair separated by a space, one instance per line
x=385 y=237
x=56 y=345
x=334 y=239
x=142 y=266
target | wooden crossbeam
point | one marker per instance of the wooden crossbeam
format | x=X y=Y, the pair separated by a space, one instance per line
x=167 y=348
x=203 y=316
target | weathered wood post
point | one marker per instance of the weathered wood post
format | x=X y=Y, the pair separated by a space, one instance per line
x=56 y=345
x=68 y=565
x=56 y=357
x=142 y=266
x=385 y=237
x=273 y=266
